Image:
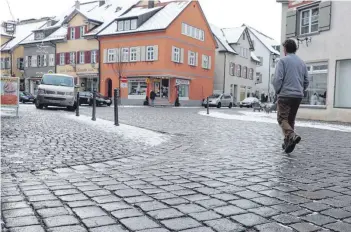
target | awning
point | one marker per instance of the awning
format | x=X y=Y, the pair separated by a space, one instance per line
x=88 y=75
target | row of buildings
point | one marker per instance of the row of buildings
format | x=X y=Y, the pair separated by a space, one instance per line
x=168 y=47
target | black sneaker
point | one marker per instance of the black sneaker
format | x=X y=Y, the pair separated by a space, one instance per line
x=290 y=145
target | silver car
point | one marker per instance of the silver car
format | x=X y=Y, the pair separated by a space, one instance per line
x=56 y=90
x=219 y=100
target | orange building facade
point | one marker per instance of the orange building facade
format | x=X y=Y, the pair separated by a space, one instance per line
x=175 y=60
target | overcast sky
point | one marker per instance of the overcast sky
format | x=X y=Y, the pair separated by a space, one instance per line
x=264 y=15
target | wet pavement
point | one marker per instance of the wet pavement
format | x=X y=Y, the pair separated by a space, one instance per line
x=211 y=175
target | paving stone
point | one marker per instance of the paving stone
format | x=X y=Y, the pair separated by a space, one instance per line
x=305 y=227
x=21 y=221
x=98 y=221
x=89 y=211
x=139 y=223
x=115 y=206
x=125 y=213
x=196 y=197
x=337 y=213
x=301 y=212
x=165 y=214
x=36 y=228
x=36 y=192
x=133 y=200
x=11 y=199
x=47 y=197
x=339 y=226
x=111 y=228
x=190 y=208
x=315 y=206
x=199 y=229
x=286 y=208
x=286 y=218
x=267 y=201
x=249 y=219
x=318 y=219
x=14 y=205
x=50 y=212
x=17 y=212
x=211 y=203
x=106 y=199
x=73 y=197
x=245 y=204
x=75 y=228
x=66 y=192
x=225 y=196
x=273 y=227
x=46 y=204
x=229 y=210
x=205 y=216
x=62 y=220
x=128 y=193
x=225 y=225
x=154 y=230
x=151 y=205
x=74 y=204
x=182 y=223
x=95 y=193
x=264 y=211
x=248 y=194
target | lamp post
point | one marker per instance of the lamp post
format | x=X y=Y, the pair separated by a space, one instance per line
x=272 y=56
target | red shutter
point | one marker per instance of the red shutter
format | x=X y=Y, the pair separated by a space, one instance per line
x=57 y=58
x=97 y=56
x=86 y=28
x=88 y=57
x=77 y=57
x=67 y=57
x=68 y=32
x=77 y=32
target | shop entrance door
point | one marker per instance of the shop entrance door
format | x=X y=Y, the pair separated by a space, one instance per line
x=165 y=88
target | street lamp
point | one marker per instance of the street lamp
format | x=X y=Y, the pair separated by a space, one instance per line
x=272 y=56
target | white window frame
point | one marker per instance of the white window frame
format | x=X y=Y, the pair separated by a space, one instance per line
x=188 y=30
x=127 y=25
x=111 y=55
x=81 y=32
x=72 y=33
x=197 y=34
x=81 y=57
x=51 y=59
x=72 y=57
x=125 y=54
x=309 y=20
x=205 y=61
x=29 y=61
x=133 y=24
x=133 y=54
x=150 y=53
x=120 y=26
x=193 y=33
x=176 y=54
x=93 y=57
x=192 y=58
x=62 y=59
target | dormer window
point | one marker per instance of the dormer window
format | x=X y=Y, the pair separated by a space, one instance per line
x=120 y=26
x=39 y=35
x=133 y=24
x=127 y=25
x=10 y=27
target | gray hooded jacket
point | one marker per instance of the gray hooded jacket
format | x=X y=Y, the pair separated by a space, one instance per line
x=291 y=77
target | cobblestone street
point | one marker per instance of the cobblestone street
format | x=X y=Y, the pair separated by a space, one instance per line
x=60 y=174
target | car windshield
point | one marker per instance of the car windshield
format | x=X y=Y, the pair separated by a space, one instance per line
x=57 y=80
x=214 y=96
x=26 y=94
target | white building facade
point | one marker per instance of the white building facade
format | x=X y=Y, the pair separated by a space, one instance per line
x=267 y=50
x=323 y=32
x=235 y=70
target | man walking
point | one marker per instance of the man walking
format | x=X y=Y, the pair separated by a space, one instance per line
x=290 y=83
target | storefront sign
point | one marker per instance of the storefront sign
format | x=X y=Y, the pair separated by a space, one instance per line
x=86 y=70
x=9 y=91
x=182 y=82
x=138 y=79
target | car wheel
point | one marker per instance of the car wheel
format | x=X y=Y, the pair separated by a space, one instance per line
x=38 y=105
x=23 y=101
x=109 y=104
x=219 y=105
x=230 y=105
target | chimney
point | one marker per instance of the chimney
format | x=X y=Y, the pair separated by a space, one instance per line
x=101 y=2
x=77 y=5
x=151 y=4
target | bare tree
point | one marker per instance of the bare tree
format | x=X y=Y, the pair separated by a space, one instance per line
x=118 y=66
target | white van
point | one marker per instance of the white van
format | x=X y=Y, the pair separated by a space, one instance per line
x=56 y=90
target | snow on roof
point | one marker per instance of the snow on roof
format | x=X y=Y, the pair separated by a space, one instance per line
x=23 y=30
x=3 y=30
x=233 y=34
x=60 y=33
x=254 y=57
x=137 y=11
x=161 y=20
x=266 y=41
x=222 y=39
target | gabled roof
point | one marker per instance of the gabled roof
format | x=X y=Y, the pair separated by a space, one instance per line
x=138 y=11
x=233 y=34
x=159 y=21
x=218 y=33
x=23 y=30
x=267 y=41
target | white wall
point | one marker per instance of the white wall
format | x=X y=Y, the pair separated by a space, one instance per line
x=330 y=46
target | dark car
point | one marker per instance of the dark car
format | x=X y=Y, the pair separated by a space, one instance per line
x=26 y=97
x=87 y=99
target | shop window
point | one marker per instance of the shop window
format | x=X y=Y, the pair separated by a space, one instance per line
x=317 y=90
x=137 y=89
x=342 y=84
x=183 y=91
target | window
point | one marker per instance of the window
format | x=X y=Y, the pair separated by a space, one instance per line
x=127 y=25
x=34 y=61
x=192 y=58
x=188 y=30
x=93 y=57
x=72 y=57
x=137 y=88
x=183 y=91
x=238 y=70
x=120 y=25
x=205 y=62
x=125 y=54
x=29 y=61
x=39 y=61
x=150 y=53
x=197 y=34
x=73 y=33
x=51 y=60
x=244 y=72
x=231 y=69
x=111 y=55
x=317 y=89
x=81 y=57
x=251 y=74
x=20 y=63
x=193 y=32
x=202 y=35
x=261 y=60
x=258 y=78
x=133 y=54
x=2 y=63
x=7 y=63
x=81 y=31
x=39 y=35
x=62 y=59
x=133 y=24
x=309 y=21
x=184 y=28
x=342 y=84
x=176 y=54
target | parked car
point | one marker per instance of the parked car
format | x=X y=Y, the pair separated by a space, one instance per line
x=26 y=97
x=219 y=100
x=87 y=98
x=248 y=102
